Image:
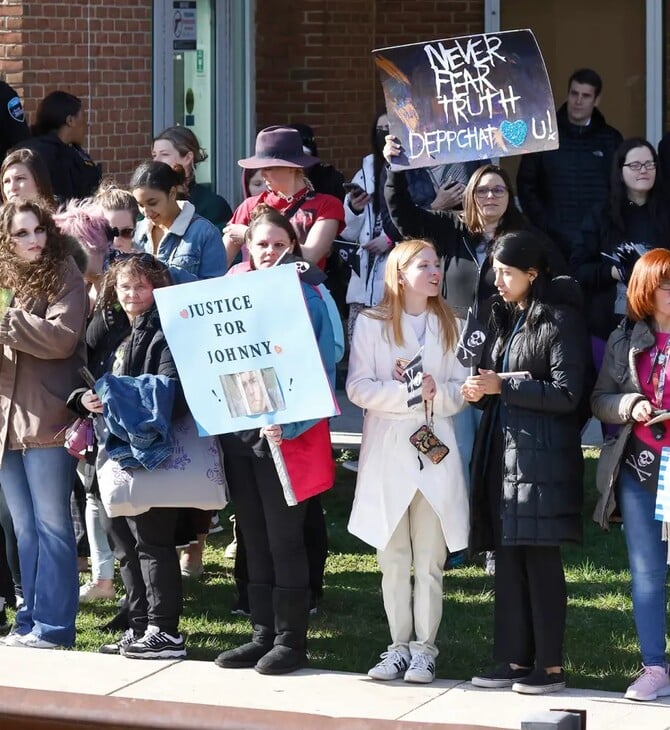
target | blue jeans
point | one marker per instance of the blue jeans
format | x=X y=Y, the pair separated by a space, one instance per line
x=647 y=555
x=37 y=485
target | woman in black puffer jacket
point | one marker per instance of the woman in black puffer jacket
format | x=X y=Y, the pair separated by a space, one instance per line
x=527 y=464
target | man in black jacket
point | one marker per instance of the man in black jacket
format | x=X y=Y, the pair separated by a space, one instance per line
x=13 y=127
x=559 y=187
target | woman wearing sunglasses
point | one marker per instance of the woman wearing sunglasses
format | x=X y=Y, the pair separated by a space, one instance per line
x=636 y=214
x=121 y=212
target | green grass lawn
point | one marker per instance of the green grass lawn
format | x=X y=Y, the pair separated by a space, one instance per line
x=350 y=630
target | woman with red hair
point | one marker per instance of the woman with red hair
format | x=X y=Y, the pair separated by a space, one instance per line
x=630 y=390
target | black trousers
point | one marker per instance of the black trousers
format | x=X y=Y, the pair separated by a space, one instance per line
x=273 y=531
x=144 y=545
x=530 y=591
x=316 y=544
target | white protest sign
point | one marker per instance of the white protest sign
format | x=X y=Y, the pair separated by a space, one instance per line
x=246 y=351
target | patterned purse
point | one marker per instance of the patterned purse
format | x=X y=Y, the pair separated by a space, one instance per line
x=426 y=442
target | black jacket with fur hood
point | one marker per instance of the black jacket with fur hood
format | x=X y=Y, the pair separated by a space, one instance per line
x=538 y=420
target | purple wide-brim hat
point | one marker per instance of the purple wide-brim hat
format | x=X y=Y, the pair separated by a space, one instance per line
x=278 y=147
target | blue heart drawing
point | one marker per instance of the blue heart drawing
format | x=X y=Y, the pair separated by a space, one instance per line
x=514 y=132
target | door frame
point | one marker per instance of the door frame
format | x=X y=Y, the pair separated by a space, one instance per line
x=654 y=60
x=234 y=105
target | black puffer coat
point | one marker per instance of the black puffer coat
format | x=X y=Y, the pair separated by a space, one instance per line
x=541 y=499
x=559 y=187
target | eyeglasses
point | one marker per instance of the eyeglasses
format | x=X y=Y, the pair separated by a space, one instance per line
x=497 y=191
x=637 y=166
x=122 y=232
x=383 y=129
x=665 y=285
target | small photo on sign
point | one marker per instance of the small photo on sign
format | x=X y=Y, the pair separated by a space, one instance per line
x=251 y=392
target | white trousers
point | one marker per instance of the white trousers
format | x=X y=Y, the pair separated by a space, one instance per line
x=414 y=617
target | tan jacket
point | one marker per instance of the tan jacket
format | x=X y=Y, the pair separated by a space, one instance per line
x=616 y=392
x=42 y=351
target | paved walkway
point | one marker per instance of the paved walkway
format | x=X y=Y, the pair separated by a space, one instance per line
x=313 y=691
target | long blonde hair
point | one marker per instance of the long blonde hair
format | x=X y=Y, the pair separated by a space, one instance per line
x=391 y=307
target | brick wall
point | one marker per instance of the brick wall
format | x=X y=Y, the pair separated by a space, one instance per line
x=313 y=62
x=98 y=50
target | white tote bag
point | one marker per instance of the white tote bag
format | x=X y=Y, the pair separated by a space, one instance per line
x=192 y=476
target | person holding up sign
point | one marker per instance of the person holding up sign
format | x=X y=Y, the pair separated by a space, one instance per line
x=527 y=465
x=629 y=390
x=277 y=561
x=408 y=507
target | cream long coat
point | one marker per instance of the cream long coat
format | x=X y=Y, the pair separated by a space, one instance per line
x=388 y=465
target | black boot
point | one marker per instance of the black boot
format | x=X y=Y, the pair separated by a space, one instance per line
x=291 y=607
x=262 y=619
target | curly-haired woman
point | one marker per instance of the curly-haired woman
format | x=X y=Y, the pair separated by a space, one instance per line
x=41 y=334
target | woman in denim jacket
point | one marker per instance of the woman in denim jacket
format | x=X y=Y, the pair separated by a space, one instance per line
x=171 y=230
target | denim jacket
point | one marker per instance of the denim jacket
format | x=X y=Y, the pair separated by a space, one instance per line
x=193 y=246
x=138 y=414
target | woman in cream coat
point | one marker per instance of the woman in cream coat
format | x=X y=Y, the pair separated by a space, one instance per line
x=410 y=509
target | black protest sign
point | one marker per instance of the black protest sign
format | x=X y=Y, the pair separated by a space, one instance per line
x=349 y=254
x=471 y=342
x=413 y=376
x=467 y=98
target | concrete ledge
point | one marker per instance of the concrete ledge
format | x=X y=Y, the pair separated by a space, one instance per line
x=25 y=709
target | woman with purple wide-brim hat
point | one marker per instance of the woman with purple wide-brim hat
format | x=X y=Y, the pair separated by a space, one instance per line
x=316 y=217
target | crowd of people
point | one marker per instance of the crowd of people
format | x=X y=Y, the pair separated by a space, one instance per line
x=571 y=284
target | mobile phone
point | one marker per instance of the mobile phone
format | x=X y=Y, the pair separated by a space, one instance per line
x=87 y=376
x=516 y=375
x=353 y=188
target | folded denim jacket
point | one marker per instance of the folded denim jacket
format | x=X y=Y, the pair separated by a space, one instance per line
x=138 y=414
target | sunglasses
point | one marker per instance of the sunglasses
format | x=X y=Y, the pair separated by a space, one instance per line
x=122 y=232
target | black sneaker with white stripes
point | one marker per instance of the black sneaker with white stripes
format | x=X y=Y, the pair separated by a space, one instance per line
x=155 y=644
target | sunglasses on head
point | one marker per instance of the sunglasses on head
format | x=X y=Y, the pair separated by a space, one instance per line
x=145 y=258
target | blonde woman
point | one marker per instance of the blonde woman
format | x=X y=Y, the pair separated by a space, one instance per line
x=412 y=510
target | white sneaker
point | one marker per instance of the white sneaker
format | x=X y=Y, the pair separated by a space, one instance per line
x=13 y=638
x=32 y=641
x=92 y=591
x=490 y=562
x=393 y=665
x=421 y=669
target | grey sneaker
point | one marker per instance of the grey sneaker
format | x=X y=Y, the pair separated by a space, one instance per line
x=393 y=665
x=118 y=646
